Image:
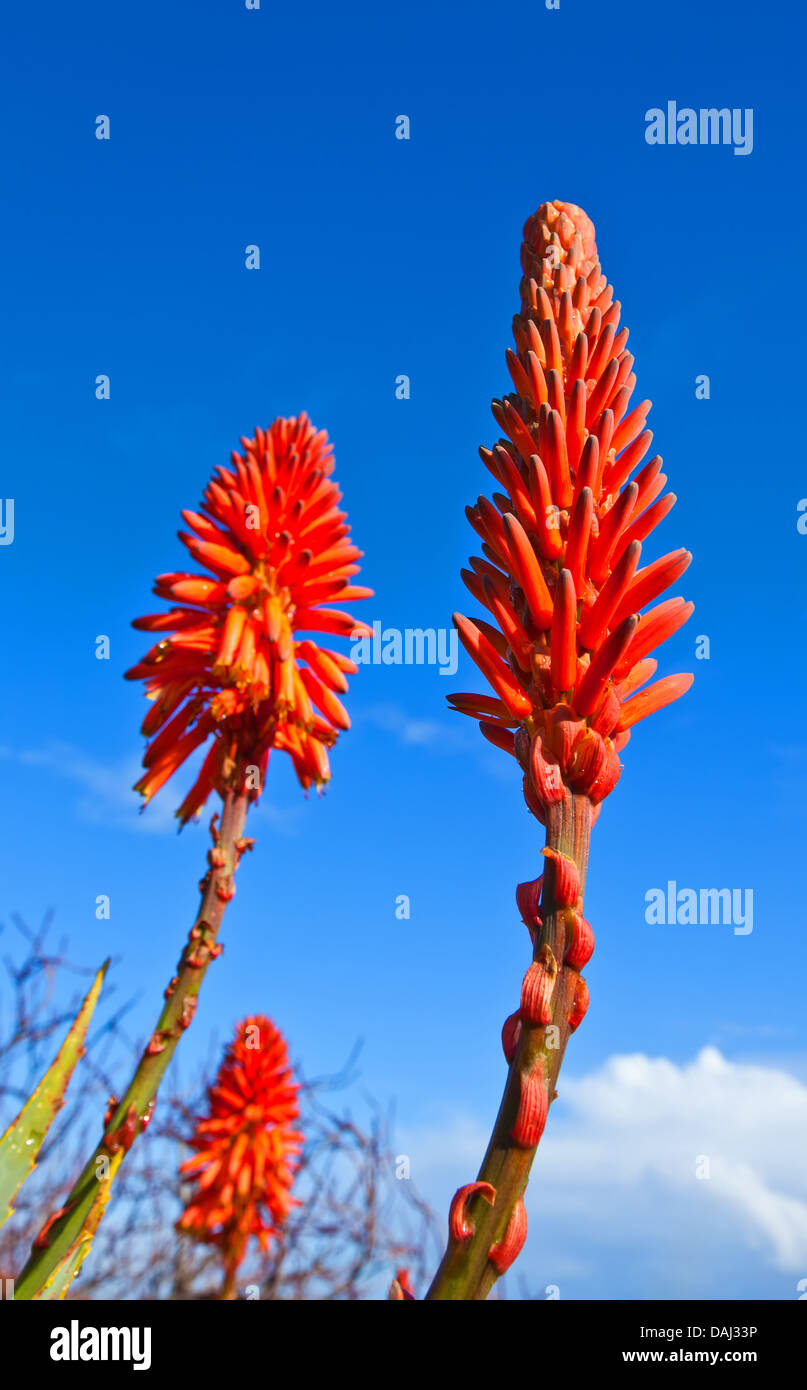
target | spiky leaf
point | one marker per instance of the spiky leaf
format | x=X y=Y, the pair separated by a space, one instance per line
x=20 y=1145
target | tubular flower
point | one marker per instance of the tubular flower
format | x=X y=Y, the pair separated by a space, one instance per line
x=232 y=660
x=561 y=575
x=246 y=1147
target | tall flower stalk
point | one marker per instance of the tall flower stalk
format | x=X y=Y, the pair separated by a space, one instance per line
x=565 y=647
x=232 y=669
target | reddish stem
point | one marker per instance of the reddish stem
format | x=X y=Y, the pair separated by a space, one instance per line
x=466 y=1271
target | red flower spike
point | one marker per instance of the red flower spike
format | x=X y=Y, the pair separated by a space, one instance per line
x=246 y=1146
x=580 y=942
x=566 y=881
x=459 y=1227
x=533 y=1107
x=579 y=1004
x=506 y=1250
x=573 y=440
x=227 y=668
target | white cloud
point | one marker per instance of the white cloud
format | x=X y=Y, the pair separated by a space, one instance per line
x=615 y=1184
x=640 y=1118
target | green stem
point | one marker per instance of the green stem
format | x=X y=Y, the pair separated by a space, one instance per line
x=465 y=1272
x=133 y=1111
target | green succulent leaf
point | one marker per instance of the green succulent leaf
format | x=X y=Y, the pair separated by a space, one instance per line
x=20 y=1145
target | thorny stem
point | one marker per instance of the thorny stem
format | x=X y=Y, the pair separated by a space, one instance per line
x=134 y=1110
x=465 y=1271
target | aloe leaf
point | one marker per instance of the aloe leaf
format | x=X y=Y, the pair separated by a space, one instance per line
x=59 y=1281
x=20 y=1145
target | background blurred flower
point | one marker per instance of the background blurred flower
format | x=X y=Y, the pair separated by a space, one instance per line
x=247 y=1148
x=231 y=661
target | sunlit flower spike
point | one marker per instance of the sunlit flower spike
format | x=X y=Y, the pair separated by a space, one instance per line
x=572 y=617
x=233 y=661
x=566 y=645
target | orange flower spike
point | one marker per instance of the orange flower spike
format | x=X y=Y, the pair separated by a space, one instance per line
x=246 y=1147
x=570 y=655
x=271 y=534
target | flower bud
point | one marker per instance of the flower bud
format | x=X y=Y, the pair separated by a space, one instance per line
x=459 y=1227
x=546 y=776
x=537 y=989
x=580 y=942
x=511 y=1032
x=533 y=1106
x=566 y=882
x=506 y=1250
x=579 y=1004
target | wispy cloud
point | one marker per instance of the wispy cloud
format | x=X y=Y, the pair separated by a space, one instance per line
x=106 y=795
x=413 y=731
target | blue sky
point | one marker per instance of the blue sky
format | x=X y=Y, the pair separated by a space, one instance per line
x=381 y=257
